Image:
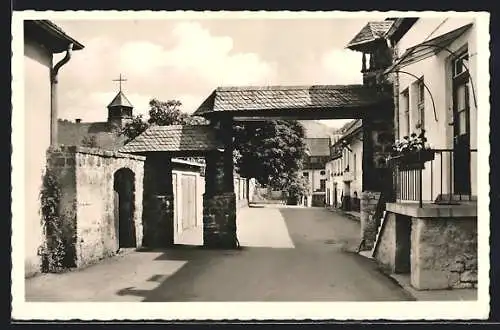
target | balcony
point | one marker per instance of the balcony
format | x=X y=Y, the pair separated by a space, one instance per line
x=434 y=181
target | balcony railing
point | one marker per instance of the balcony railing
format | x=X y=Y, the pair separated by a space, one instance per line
x=434 y=181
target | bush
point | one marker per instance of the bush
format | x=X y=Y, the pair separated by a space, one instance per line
x=296 y=188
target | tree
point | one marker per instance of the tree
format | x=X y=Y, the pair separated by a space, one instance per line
x=133 y=128
x=89 y=141
x=270 y=151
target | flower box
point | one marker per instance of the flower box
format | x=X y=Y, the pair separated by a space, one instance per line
x=412 y=159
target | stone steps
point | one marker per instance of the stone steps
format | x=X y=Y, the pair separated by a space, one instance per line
x=379 y=231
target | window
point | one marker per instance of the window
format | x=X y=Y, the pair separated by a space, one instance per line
x=420 y=103
x=322 y=173
x=322 y=184
x=461 y=64
x=405 y=107
x=354 y=166
x=305 y=174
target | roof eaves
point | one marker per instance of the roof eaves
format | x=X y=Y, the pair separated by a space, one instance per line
x=59 y=33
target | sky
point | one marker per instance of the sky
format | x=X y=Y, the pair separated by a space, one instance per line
x=186 y=60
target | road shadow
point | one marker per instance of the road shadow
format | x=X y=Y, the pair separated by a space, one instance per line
x=321 y=267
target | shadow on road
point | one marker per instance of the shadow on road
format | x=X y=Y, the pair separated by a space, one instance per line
x=319 y=268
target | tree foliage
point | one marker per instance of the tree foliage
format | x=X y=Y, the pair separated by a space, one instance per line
x=89 y=141
x=270 y=151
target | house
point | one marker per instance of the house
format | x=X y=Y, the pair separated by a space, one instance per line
x=428 y=231
x=345 y=168
x=42 y=39
x=317 y=154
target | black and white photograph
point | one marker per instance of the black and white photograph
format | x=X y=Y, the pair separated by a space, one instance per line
x=250 y=165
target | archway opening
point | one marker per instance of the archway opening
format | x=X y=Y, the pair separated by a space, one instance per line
x=124 y=188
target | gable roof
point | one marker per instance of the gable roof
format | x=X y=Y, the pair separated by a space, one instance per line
x=371 y=32
x=174 y=138
x=120 y=100
x=289 y=97
x=318 y=146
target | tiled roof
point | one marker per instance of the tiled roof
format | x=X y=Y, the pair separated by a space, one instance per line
x=351 y=127
x=371 y=32
x=288 y=97
x=174 y=138
x=120 y=100
x=318 y=146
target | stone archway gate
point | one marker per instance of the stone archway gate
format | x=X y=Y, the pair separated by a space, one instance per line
x=223 y=107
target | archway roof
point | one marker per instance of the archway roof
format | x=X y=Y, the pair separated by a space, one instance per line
x=297 y=100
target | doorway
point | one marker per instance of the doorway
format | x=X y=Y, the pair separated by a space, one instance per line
x=461 y=127
x=124 y=188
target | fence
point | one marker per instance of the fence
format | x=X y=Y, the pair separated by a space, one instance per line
x=435 y=181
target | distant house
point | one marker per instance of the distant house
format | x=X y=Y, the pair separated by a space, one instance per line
x=344 y=169
x=42 y=39
x=318 y=153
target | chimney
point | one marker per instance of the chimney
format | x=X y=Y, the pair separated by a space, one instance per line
x=78 y=120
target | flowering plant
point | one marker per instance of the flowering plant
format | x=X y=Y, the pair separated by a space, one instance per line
x=410 y=143
x=411 y=152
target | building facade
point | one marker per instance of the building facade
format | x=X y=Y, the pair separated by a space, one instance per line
x=429 y=228
x=345 y=168
x=314 y=170
x=42 y=39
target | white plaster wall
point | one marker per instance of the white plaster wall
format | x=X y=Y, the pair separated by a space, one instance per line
x=37 y=63
x=436 y=71
x=329 y=182
x=315 y=177
x=356 y=184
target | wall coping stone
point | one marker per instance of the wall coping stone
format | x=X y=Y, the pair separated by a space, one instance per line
x=97 y=152
x=429 y=210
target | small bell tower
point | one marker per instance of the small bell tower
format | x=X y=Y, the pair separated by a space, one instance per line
x=120 y=109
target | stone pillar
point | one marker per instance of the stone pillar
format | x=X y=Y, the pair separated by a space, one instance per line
x=219 y=200
x=158 y=213
x=369 y=223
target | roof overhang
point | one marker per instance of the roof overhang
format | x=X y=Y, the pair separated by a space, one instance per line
x=427 y=48
x=400 y=27
x=49 y=35
x=295 y=102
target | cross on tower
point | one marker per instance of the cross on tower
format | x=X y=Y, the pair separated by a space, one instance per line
x=120 y=79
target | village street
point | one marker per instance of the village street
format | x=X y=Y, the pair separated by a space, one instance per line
x=287 y=254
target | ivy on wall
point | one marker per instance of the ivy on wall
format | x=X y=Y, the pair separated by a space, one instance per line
x=55 y=250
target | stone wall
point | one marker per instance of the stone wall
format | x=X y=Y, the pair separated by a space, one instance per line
x=369 y=223
x=385 y=252
x=87 y=182
x=444 y=253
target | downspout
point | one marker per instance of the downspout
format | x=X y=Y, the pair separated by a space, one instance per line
x=53 y=95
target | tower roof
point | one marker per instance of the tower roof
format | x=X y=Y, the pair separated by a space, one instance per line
x=120 y=100
x=371 y=32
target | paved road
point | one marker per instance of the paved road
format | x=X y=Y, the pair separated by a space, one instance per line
x=288 y=254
